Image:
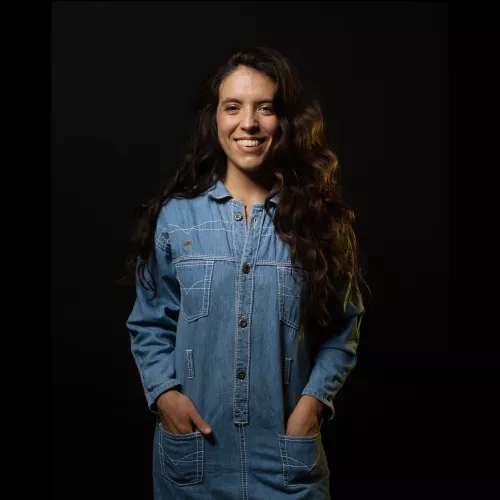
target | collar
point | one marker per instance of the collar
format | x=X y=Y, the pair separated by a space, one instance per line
x=219 y=192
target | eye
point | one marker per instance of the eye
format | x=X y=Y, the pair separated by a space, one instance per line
x=268 y=109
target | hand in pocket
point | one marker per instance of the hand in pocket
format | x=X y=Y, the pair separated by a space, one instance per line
x=178 y=414
x=304 y=419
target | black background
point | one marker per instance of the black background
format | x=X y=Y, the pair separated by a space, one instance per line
x=123 y=81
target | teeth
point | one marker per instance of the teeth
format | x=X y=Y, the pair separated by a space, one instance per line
x=246 y=142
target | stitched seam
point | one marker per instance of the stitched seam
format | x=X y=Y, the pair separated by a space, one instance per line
x=176 y=462
x=286 y=455
x=192 y=264
x=241 y=456
x=340 y=383
x=199 y=230
x=162 y=464
x=189 y=358
x=243 y=462
x=259 y=239
x=282 y=461
x=281 y=297
x=245 y=491
x=279 y=263
x=240 y=279
x=208 y=265
x=257 y=262
x=302 y=465
x=288 y=361
x=271 y=233
x=241 y=407
x=280 y=294
x=301 y=439
x=206 y=298
x=251 y=283
x=159 y=243
x=199 y=450
x=194 y=259
x=164 y=247
x=237 y=326
x=193 y=287
x=234 y=207
x=160 y=446
x=238 y=290
x=195 y=228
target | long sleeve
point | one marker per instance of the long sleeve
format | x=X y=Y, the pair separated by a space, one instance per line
x=153 y=323
x=336 y=355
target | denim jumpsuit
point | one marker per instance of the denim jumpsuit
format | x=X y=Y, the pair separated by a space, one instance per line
x=225 y=330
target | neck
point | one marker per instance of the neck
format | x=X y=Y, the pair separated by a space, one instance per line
x=248 y=187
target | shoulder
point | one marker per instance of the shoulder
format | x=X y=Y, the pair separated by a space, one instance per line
x=174 y=209
x=175 y=213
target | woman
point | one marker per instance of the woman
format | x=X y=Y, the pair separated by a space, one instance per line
x=248 y=309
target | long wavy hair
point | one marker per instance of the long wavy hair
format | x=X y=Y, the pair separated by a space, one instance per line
x=310 y=215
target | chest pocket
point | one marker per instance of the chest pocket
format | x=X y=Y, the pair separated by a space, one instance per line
x=292 y=296
x=195 y=279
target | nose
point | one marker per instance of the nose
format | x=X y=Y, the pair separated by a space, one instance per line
x=249 y=120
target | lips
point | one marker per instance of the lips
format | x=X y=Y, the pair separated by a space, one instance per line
x=250 y=139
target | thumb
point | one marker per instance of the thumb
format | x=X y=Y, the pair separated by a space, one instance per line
x=199 y=422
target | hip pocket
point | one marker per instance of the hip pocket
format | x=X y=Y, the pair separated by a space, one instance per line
x=303 y=459
x=181 y=456
x=195 y=279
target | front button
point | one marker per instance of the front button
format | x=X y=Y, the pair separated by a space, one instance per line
x=243 y=322
x=246 y=268
x=238 y=216
x=241 y=373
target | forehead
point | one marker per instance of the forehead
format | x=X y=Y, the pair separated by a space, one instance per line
x=247 y=82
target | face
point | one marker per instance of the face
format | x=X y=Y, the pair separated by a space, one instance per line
x=245 y=110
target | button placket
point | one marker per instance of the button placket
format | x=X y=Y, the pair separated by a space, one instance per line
x=248 y=242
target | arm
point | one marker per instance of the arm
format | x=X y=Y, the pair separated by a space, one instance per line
x=153 y=323
x=336 y=355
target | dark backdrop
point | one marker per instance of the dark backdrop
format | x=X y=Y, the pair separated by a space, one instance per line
x=123 y=81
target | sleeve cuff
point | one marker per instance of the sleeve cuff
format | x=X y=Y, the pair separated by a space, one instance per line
x=152 y=396
x=329 y=408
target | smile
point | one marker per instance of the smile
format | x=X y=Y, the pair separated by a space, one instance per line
x=248 y=146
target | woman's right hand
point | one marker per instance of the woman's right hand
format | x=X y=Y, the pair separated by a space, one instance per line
x=178 y=414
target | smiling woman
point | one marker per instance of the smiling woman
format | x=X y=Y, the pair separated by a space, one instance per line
x=246 y=123
x=244 y=333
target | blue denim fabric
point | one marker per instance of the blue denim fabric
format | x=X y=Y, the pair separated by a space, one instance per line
x=225 y=330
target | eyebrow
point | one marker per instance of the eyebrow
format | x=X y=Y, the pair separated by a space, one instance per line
x=233 y=99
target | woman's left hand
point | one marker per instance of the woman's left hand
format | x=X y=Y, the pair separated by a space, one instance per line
x=304 y=419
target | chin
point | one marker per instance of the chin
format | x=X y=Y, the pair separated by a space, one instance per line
x=249 y=168
x=250 y=163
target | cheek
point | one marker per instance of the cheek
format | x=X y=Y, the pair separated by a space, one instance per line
x=273 y=128
x=223 y=129
x=222 y=134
